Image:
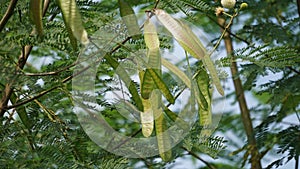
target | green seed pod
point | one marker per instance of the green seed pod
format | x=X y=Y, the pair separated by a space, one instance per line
x=35 y=11
x=129 y=19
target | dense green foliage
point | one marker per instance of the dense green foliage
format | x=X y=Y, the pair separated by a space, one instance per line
x=39 y=128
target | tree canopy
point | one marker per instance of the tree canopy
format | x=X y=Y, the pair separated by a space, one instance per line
x=136 y=84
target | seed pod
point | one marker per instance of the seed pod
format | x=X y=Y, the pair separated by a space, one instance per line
x=129 y=19
x=73 y=22
x=36 y=10
x=147 y=118
x=150 y=35
x=163 y=138
x=189 y=41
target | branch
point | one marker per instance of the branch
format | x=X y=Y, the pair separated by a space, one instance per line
x=52 y=73
x=30 y=99
x=9 y=12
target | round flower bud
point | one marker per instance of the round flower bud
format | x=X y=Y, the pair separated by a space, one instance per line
x=243 y=6
x=228 y=3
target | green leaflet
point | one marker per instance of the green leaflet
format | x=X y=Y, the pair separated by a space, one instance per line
x=36 y=12
x=126 y=79
x=73 y=22
x=189 y=41
x=129 y=19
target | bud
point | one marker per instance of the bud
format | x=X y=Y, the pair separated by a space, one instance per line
x=243 y=6
x=219 y=11
x=228 y=3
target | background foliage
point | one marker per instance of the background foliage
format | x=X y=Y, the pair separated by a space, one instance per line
x=40 y=129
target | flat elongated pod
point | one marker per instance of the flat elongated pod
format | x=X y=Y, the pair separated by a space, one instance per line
x=205 y=115
x=175 y=118
x=179 y=33
x=174 y=69
x=150 y=35
x=209 y=65
x=126 y=79
x=153 y=56
x=206 y=59
x=189 y=41
x=36 y=10
x=129 y=18
x=160 y=84
x=147 y=118
x=73 y=22
x=163 y=139
x=202 y=80
x=153 y=62
x=147 y=85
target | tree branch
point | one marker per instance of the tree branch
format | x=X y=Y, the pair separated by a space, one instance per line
x=9 y=12
x=245 y=114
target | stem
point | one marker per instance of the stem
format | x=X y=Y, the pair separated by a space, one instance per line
x=245 y=114
x=9 y=12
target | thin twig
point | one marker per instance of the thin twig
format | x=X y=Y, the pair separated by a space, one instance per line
x=51 y=73
x=156 y=4
x=226 y=28
x=228 y=31
x=31 y=99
